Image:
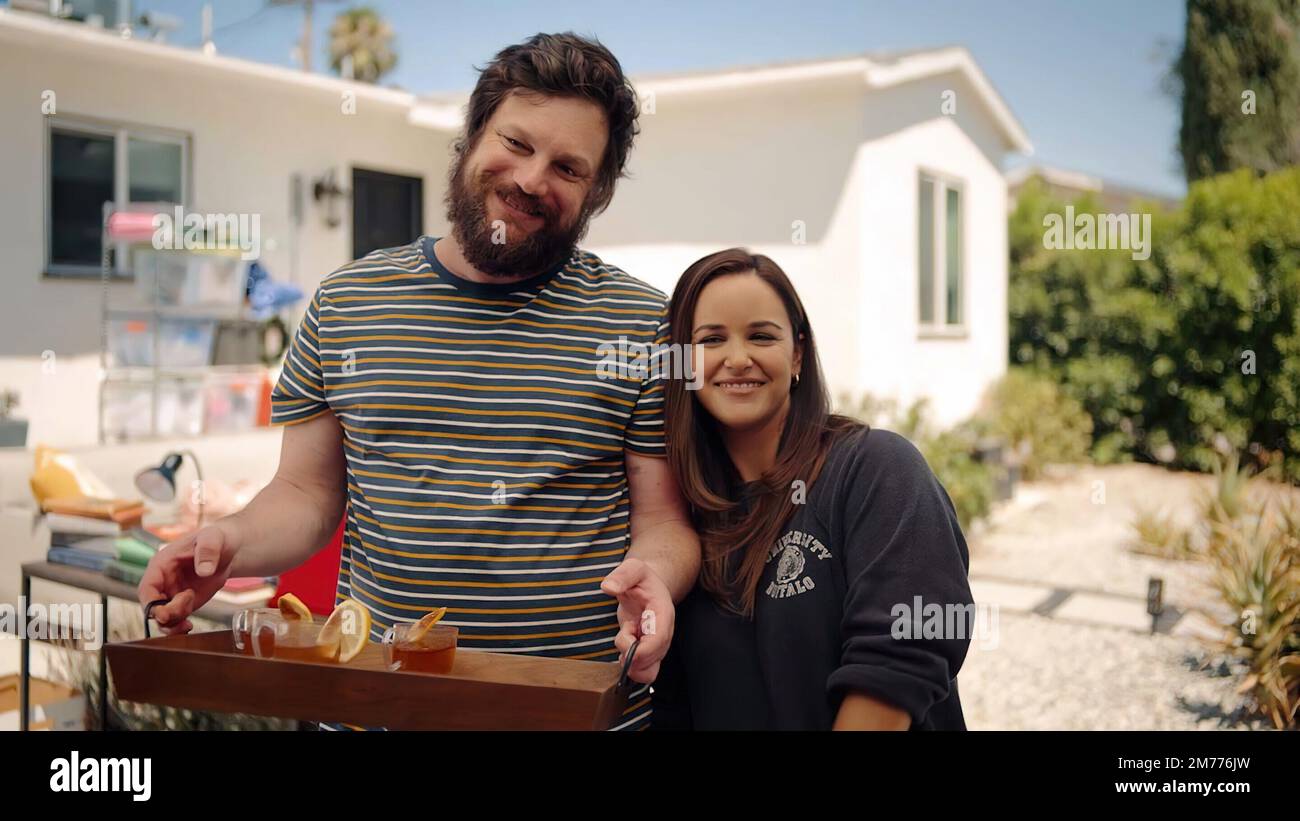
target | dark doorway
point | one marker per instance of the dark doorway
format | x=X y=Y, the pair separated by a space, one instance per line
x=387 y=210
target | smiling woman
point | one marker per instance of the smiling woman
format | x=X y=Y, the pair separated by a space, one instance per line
x=745 y=317
x=814 y=529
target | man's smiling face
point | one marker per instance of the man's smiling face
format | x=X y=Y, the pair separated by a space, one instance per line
x=518 y=199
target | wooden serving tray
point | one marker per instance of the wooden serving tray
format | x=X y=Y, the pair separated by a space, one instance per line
x=484 y=691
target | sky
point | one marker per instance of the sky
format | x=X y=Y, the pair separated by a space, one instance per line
x=1084 y=79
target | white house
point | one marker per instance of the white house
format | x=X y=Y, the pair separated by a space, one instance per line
x=875 y=181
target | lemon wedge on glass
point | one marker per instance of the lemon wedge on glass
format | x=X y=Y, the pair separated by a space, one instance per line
x=347 y=628
x=425 y=624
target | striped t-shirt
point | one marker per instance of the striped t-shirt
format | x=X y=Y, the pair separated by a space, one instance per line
x=484 y=442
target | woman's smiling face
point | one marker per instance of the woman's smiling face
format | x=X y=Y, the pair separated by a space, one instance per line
x=747 y=351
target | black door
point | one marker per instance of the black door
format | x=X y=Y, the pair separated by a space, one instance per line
x=387 y=210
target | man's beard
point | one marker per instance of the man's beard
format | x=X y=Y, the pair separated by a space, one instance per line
x=535 y=253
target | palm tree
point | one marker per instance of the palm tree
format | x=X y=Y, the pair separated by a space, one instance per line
x=362 y=35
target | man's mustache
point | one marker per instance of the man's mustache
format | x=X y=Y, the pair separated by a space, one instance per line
x=525 y=202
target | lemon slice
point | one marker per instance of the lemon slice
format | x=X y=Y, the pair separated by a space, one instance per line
x=425 y=624
x=291 y=607
x=347 y=628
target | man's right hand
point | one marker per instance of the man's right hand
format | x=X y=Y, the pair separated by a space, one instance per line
x=188 y=572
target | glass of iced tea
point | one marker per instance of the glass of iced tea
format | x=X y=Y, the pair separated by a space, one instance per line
x=241 y=627
x=274 y=636
x=433 y=652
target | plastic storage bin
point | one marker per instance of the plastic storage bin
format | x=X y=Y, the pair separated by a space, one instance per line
x=194 y=278
x=232 y=401
x=128 y=409
x=182 y=343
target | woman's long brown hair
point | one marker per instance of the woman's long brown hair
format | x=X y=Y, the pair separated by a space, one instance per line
x=700 y=462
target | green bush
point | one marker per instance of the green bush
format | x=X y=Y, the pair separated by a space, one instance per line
x=1165 y=354
x=1037 y=421
x=879 y=412
x=971 y=484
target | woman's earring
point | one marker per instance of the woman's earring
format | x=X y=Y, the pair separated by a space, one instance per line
x=794 y=381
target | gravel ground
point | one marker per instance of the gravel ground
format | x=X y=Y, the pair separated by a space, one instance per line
x=1075 y=531
x=1051 y=674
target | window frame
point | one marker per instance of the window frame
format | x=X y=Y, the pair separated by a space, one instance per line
x=941 y=183
x=122 y=133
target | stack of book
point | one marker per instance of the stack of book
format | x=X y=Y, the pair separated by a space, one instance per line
x=98 y=533
x=108 y=536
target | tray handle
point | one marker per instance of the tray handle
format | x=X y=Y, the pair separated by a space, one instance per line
x=148 y=609
x=623 y=680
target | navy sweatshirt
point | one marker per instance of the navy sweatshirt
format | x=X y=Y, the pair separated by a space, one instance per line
x=844 y=605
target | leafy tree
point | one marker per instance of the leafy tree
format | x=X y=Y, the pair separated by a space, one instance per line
x=362 y=35
x=1239 y=79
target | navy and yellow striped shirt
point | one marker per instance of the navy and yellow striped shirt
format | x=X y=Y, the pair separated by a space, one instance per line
x=484 y=442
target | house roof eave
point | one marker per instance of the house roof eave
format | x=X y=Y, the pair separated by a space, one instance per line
x=25 y=28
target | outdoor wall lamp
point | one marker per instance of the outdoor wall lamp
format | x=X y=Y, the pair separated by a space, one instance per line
x=325 y=189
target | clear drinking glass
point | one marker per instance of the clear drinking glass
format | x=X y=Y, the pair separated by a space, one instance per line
x=274 y=636
x=434 y=652
x=241 y=626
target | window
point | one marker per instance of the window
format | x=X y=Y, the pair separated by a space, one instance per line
x=940 y=264
x=93 y=163
x=81 y=180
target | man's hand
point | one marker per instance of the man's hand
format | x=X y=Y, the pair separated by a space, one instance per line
x=282 y=527
x=188 y=572
x=645 y=611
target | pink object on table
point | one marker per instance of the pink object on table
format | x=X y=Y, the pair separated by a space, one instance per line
x=240 y=583
x=129 y=226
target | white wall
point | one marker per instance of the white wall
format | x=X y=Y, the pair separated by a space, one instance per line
x=248 y=137
x=910 y=134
